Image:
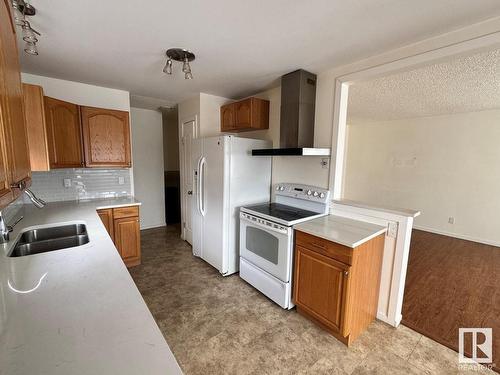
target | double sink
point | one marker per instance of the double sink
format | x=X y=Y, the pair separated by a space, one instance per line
x=43 y=240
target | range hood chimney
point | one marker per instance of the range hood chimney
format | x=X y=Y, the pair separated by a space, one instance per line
x=298 y=98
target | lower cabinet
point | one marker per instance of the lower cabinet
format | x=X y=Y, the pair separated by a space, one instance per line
x=336 y=286
x=123 y=227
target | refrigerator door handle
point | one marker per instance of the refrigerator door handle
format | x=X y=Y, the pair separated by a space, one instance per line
x=201 y=186
x=198 y=185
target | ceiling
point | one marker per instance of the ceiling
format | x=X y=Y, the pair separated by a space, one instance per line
x=465 y=84
x=241 y=46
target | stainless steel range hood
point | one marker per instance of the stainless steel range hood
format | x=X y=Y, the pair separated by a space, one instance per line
x=298 y=97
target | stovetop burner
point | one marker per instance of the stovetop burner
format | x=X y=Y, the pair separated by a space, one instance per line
x=282 y=211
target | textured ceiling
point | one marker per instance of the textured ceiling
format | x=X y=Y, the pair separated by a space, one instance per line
x=464 y=84
x=241 y=46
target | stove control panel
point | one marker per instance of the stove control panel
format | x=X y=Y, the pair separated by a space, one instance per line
x=306 y=192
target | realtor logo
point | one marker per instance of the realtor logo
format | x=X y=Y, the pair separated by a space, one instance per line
x=481 y=349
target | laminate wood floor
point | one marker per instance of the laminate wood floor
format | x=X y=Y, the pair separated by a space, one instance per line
x=452 y=283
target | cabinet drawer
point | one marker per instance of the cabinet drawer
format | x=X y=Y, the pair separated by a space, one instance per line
x=327 y=248
x=129 y=211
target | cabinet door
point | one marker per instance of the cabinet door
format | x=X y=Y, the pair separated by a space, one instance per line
x=128 y=240
x=244 y=114
x=64 y=133
x=106 y=216
x=34 y=114
x=106 y=137
x=227 y=117
x=320 y=287
x=6 y=195
x=14 y=125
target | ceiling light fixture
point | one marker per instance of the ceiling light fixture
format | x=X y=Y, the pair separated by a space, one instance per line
x=180 y=55
x=21 y=10
x=168 y=67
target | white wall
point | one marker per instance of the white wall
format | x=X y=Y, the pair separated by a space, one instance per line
x=81 y=93
x=147 y=157
x=189 y=108
x=210 y=114
x=444 y=166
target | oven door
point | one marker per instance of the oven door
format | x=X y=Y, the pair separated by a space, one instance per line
x=266 y=245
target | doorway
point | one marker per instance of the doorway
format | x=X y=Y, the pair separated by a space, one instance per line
x=426 y=139
x=171 y=167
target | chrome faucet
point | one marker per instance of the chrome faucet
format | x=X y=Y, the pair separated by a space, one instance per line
x=6 y=229
x=38 y=202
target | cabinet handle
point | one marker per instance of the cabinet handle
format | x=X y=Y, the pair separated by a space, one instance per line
x=319 y=246
x=18 y=185
x=346 y=273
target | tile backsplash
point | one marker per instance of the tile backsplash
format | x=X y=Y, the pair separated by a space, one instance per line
x=84 y=184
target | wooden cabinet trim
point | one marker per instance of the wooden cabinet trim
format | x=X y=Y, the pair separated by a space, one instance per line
x=330 y=249
x=36 y=127
x=106 y=216
x=129 y=211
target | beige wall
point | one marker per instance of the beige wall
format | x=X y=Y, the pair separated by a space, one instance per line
x=147 y=158
x=170 y=139
x=445 y=166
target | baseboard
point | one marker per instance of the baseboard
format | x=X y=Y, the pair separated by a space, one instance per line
x=153 y=226
x=455 y=235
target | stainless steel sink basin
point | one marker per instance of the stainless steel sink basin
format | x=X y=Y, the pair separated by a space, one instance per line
x=51 y=233
x=42 y=240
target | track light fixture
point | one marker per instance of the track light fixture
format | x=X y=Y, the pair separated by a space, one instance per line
x=22 y=9
x=180 y=55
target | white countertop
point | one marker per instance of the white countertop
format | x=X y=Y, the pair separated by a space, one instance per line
x=392 y=210
x=347 y=232
x=76 y=311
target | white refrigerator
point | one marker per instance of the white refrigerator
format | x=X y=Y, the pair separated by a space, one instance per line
x=226 y=177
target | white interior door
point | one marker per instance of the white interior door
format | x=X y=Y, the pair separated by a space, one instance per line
x=188 y=134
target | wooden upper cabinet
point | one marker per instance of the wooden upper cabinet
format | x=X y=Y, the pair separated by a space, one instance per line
x=36 y=128
x=227 y=117
x=245 y=115
x=15 y=157
x=64 y=135
x=106 y=137
x=6 y=195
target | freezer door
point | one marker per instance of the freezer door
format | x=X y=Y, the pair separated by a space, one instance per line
x=214 y=185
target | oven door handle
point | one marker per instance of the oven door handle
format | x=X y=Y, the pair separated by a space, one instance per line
x=247 y=218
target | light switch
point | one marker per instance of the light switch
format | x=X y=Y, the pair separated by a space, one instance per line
x=67 y=182
x=121 y=180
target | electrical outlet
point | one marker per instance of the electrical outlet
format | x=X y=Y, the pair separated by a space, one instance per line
x=121 y=180
x=67 y=182
x=392 y=229
x=451 y=220
x=324 y=163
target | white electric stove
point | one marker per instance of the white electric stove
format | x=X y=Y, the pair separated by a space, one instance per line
x=266 y=237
